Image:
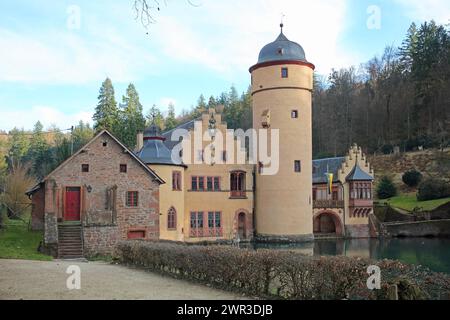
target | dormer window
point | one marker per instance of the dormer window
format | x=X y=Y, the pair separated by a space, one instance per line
x=284 y=72
x=280 y=51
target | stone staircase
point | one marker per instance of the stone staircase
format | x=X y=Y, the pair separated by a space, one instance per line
x=70 y=241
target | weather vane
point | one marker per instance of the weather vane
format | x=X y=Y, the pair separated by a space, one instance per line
x=282 y=23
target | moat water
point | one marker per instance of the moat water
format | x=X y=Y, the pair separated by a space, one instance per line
x=433 y=253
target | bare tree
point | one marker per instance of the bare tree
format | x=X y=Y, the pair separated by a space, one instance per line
x=14 y=187
x=146 y=9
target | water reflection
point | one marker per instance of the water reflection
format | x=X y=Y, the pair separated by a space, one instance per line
x=432 y=253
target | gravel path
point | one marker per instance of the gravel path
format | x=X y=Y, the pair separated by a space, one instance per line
x=22 y=279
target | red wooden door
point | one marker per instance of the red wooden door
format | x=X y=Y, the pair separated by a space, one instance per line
x=72 y=208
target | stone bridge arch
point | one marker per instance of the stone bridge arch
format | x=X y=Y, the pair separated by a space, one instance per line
x=328 y=222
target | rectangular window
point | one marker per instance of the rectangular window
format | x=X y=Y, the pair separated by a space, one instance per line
x=209 y=183
x=136 y=234
x=211 y=224
x=335 y=195
x=214 y=224
x=284 y=72
x=200 y=220
x=224 y=156
x=123 y=168
x=217 y=183
x=84 y=168
x=218 y=220
x=205 y=183
x=176 y=181
x=294 y=114
x=201 y=183
x=194 y=185
x=132 y=199
x=193 y=220
x=298 y=166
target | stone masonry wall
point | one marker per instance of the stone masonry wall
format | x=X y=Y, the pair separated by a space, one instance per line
x=105 y=216
x=357 y=231
x=37 y=212
x=100 y=240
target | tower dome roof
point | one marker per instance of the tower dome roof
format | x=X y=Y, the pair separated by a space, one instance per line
x=282 y=49
x=154 y=150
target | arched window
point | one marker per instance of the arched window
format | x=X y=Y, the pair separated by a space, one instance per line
x=172 y=219
x=237 y=184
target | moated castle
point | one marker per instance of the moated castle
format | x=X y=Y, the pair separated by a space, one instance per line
x=106 y=193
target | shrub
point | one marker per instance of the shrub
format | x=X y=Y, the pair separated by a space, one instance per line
x=412 y=178
x=387 y=149
x=278 y=274
x=386 y=189
x=433 y=188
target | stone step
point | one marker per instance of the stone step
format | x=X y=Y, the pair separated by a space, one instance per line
x=71 y=246
x=70 y=237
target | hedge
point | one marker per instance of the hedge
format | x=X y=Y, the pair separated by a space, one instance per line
x=281 y=274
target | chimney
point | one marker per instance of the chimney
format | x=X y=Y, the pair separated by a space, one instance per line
x=139 y=141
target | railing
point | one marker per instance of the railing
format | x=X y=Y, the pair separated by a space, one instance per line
x=238 y=194
x=205 y=232
x=323 y=204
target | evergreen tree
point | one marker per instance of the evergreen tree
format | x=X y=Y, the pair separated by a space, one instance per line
x=82 y=133
x=39 y=153
x=212 y=103
x=171 y=121
x=131 y=118
x=386 y=188
x=106 y=113
x=154 y=116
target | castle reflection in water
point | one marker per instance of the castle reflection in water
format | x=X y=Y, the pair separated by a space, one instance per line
x=429 y=252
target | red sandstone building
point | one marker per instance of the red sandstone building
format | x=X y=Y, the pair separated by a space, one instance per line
x=104 y=186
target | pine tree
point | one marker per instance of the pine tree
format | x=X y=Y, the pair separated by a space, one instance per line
x=106 y=112
x=154 y=116
x=82 y=133
x=171 y=121
x=39 y=153
x=131 y=118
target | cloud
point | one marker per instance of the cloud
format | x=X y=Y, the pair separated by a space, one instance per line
x=47 y=115
x=239 y=29
x=67 y=58
x=166 y=101
x=438 y=10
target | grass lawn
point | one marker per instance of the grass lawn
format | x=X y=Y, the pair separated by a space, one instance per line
x=409 y=202
x=16 y=242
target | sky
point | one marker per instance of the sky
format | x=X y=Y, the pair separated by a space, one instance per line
x=54 y=54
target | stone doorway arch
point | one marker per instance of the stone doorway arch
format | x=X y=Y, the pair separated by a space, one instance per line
x=328 y=222
x=243 y=224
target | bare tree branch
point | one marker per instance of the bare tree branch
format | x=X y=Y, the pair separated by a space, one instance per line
x=146 y=9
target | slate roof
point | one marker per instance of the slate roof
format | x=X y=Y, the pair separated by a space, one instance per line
x=282 y=49
x=357 y=174
x=168 y=134
x=322 y=166
x=155 y=151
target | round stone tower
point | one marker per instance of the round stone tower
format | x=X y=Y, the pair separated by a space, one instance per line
x=282 y=83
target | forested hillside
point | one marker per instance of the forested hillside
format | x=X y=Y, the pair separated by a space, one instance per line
x=401 y=98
